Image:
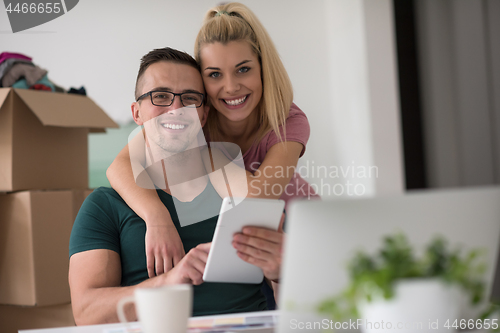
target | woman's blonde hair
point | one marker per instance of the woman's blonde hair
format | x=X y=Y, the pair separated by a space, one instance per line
x=233 y=22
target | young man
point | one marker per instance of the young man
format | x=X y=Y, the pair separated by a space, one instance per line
x=107 y=245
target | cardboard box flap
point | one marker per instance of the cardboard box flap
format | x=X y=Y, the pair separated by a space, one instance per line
x=65 y=110
x=97 y=130
x=3 y=95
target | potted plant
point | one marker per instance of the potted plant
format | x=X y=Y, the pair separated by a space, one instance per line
x=395 y=291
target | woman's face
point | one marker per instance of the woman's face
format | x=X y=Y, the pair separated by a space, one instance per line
x=231 y=74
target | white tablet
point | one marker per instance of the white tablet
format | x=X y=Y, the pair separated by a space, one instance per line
x=223 y=264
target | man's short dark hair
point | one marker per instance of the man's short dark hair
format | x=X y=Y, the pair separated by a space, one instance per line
x=164 y=54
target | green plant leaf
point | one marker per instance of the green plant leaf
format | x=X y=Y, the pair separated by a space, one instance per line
x=374 y=276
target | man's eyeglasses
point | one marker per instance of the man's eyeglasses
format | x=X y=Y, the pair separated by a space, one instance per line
x=166 y=98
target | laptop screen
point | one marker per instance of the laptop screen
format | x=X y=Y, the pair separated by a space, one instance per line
x=323 y=236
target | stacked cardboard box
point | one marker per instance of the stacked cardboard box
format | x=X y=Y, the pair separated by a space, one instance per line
x=43 y=180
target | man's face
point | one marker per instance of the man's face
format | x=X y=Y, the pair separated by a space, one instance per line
x=172 y=128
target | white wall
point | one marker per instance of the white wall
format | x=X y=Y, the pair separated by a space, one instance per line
x=365 y=126
x=98 y=44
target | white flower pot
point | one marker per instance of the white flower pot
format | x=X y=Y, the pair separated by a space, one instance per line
x=419 y=305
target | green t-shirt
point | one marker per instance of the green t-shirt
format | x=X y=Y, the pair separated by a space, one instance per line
x=106 y=222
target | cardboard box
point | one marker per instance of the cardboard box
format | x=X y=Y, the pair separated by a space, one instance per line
x=14 y=318
x=35 y=227
x=43 y=139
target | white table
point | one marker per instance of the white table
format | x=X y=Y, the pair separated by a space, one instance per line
x=217 y=318
x=101 y=328
x=104 y=328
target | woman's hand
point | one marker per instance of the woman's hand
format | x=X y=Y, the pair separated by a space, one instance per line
x=164 y=248
x=261 y=247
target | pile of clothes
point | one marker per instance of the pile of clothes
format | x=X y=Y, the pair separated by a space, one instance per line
x=18 y=71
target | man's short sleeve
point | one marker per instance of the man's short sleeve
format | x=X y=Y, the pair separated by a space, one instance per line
x=95 y=227
x=297 y=129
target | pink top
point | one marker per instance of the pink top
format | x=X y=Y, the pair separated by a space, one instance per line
x=297 y=130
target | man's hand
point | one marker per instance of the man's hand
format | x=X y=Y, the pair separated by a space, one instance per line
x=261 y=247
x=164 y=248
x=191 y=268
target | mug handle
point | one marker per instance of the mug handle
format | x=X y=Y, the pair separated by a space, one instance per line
x=120 y=305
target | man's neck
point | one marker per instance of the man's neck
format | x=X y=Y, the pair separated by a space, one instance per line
x=181 y=175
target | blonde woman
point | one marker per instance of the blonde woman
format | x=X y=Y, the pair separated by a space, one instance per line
x=250 y=97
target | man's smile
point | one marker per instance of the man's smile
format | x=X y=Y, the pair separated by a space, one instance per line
x=174 y=126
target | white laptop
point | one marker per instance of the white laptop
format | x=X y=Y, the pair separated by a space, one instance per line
x=323 y=235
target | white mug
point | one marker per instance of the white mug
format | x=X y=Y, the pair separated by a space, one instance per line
x=163 y=309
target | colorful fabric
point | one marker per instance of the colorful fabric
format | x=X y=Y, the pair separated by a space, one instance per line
x=39 y=86
x=8 y=55
x=31 y=73
x=7 y=65
x=22 y=84
x=80 y=91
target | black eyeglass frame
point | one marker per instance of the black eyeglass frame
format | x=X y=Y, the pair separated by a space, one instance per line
x=150 y=93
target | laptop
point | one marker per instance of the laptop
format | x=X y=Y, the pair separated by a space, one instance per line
x=322 y=236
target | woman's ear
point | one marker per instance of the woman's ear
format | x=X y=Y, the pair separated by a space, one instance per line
x=136 y=113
